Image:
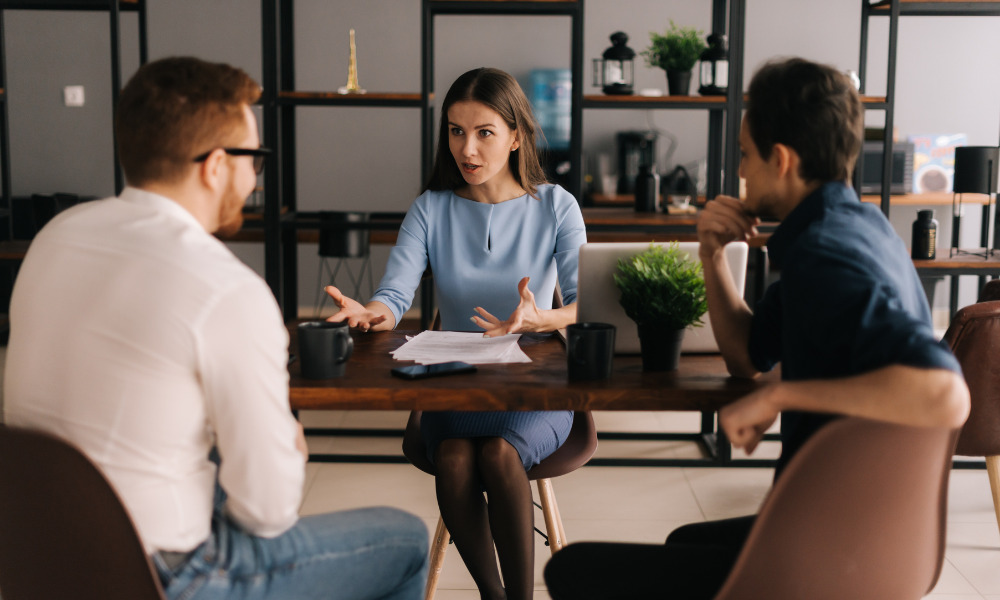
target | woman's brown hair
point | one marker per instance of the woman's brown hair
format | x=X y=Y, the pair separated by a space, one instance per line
x=501 y=93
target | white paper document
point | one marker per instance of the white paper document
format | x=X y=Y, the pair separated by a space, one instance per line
x=431 y=347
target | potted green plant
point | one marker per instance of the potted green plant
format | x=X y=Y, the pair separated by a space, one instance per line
x=676 y=52
x=663 y=291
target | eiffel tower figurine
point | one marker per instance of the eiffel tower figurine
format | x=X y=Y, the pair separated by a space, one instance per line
x=352 y=86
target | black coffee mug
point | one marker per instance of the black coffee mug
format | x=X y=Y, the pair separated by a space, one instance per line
x=590 y=350
x=324 y=348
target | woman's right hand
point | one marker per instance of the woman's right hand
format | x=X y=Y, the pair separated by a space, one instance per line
x=356 y=314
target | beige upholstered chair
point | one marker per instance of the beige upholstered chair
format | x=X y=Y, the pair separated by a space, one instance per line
x=974 y=337
x=858 y=513
x=574 y=453
x=64 y=531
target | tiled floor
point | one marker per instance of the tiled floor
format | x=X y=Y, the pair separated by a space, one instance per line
x=626 y=503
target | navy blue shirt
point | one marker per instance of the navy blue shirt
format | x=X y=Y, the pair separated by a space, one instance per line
x=849 y=301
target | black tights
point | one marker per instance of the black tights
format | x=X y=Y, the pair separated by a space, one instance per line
x=466 y=467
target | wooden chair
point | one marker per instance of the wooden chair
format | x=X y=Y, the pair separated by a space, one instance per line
x=974 y=337
x=64 y=531
x=858 y=513
x=574 y=453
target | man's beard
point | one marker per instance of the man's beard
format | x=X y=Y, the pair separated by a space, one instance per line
x=230 y=216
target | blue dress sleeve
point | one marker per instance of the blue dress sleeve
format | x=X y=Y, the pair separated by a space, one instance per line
x=407 y=261
x=571 y=234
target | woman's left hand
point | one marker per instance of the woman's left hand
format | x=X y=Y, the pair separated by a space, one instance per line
x=526 y=317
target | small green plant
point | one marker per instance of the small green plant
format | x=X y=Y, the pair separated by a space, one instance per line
x=678 y=49
x=662 y=288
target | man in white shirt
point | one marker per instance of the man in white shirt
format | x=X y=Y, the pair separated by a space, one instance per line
x=139 y=337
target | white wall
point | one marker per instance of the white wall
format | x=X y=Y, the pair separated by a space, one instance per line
x=369 y=159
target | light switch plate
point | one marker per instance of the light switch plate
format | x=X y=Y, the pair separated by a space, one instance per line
x=73 y=95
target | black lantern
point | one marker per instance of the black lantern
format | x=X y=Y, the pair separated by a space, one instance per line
x=714 y=76
x=614 y=72
x=975 y=173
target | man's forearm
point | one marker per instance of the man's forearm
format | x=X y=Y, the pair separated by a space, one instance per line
x=897 y=394
x=730 y=316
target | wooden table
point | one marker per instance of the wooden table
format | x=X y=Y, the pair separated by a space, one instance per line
x=700 y=384
x=954 y=266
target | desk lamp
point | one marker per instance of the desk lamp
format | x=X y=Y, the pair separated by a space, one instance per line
x=975 y=173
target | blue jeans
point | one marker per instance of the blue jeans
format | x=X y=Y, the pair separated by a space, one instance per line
x=357 y=554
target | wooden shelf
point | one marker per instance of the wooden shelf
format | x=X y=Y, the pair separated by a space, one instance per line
x=634 y=101
x=929 y=199
x=390 y=99
x=941 y=8
x=500 y=7
x=101 y=5
x=624 y=200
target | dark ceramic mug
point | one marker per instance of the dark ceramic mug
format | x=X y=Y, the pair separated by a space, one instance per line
x=324 y=348
x=590 y=350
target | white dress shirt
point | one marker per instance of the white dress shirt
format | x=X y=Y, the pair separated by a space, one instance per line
x=140 y=338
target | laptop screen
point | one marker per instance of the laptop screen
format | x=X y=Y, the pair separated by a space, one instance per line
x=597 y=296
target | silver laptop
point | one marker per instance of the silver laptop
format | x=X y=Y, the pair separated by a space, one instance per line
x=597 y=296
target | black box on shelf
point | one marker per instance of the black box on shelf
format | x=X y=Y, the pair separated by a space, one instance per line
x=902 y=168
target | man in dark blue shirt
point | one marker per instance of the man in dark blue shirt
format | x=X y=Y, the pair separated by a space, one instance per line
x=848 y=321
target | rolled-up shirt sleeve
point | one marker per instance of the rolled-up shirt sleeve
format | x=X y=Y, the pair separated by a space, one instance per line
x=243 y=366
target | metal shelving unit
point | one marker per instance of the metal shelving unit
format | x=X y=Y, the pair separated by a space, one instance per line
x=114 y=8
x=280 y=99
x=894 y=9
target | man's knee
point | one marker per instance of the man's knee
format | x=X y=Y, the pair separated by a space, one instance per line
x=562 y=572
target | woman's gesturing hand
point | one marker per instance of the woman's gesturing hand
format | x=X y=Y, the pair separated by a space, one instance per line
x=356 y=314
x=526 y=317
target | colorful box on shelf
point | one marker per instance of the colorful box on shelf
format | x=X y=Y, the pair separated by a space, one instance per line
x=934 y=161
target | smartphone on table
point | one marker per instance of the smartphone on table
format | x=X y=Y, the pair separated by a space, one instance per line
x=423 y=371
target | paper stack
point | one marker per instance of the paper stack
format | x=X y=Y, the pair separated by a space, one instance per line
x=432 y=347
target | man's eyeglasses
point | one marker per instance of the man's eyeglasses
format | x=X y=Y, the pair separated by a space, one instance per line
x=258 y=155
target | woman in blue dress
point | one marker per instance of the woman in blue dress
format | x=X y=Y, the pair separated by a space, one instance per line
x=498 y=238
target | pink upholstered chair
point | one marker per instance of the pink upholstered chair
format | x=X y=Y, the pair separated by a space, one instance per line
x=974 y=337
x=858 y=513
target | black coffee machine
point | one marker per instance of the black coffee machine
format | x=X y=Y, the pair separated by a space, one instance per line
x=635 y=148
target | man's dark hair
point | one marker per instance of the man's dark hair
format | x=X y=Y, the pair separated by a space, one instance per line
x=174 y=109
x=811 y=108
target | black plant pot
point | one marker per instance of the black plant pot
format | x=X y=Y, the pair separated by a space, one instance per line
x=678 y=82
x=660 y=348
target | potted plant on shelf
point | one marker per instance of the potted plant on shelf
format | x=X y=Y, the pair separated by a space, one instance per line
x=676 y=52
x=663 y=291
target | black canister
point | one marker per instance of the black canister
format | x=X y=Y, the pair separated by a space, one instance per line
x=647 y=189
x=924 y=246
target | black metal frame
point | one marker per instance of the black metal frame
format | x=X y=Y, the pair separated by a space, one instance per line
x=278 y=55
x=895 y=9
x=114 y=8
x=717 y=449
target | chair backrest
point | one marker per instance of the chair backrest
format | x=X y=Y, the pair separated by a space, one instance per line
x=990 y=291
x=338 y=242
x=64 y=531
x=974 y=337
x=858 y=513
x=579 y=446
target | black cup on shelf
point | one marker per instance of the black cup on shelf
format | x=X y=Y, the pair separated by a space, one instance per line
x=590 y=350
x=324 y=348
